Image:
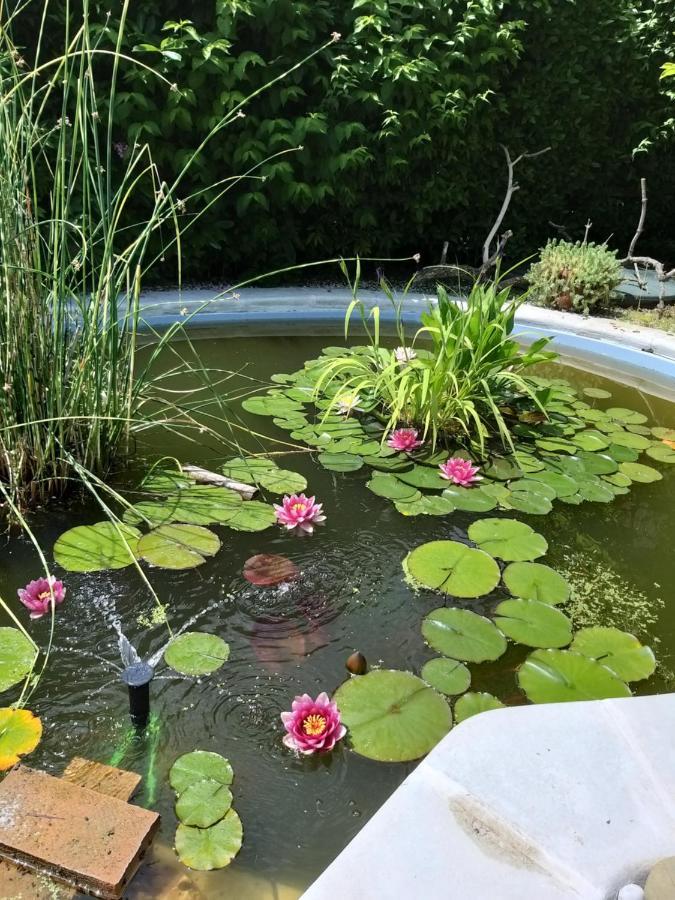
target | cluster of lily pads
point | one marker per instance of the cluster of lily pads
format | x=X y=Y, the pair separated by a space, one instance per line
x=499 y=566
x=175 y=511
x=210 y=833
x=572 y=451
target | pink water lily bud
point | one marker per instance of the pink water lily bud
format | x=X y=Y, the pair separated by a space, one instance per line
x=404 y=440
x=38 y=595
x=460 y=471
x=299 y=513
x=312 y=726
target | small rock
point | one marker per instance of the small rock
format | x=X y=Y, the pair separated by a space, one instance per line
x=661 y=881
x=357 y=664
x=631 y=892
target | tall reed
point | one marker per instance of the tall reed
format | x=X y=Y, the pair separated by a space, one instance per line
x=72 y=259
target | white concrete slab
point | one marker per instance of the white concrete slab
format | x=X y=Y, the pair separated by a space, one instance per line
x=554 y=802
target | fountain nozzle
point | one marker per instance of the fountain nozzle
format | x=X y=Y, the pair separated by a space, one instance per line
x=137 y=678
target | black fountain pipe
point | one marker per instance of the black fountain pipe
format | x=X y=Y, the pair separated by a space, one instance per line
x=137 y=678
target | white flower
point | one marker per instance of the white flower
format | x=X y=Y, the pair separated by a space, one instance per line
x=347 y=403
x=404 y=355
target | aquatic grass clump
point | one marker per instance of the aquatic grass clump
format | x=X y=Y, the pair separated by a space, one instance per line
x=463 y=388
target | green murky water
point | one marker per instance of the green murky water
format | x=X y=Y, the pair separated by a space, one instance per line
x=298 y=814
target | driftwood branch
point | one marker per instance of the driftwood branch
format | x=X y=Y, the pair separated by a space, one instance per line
x=492 y=252
x=648 y=262
x=203 y=476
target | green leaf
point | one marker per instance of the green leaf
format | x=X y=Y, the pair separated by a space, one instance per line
x=390 y=487
x=462 y=634
x=423 y=477
x=559 y=676
x=203 y=803
x=596 y=393
x=620 y=652
x=94 y=548
x=529 y=502
x=252 y=516
x=474 y=499
x=446 y=675
x=452 y=568
x=661 y=453
x=591 y=441
x=196 y=653
x=471 y=704
x=340 y=462
x=534 y=581
x=563 y=485
x=640 y=472
x=628 y=439
x=392 y=716
x=282 y=481
x=428 y=505
x=508 y=539
x=204 y=849
x=17 y=656
x=198 y=505
x=626 y=416
x=533 y=623
x=178 y=546
x=20 y=733
x=198 y=766
x=271 y=405
x=248 y=469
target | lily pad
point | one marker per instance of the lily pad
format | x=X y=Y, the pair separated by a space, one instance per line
x=94 y=548
x=597 y=463
x=473 y=703
x=427 y=505
x=530 y=502
x=390 y=487
x=535 y=581
x=423 y=477
x=661 y=453
x=595 y=491
x=503 y=469
x=248 y=469
x=622 y=454
x=178 y=546
x=282 y=481
x=639 y=472
x=626 y=416
x=392 y=716
x=563 y=485
x=591 y=441
x=508 y=539
x=198 y=505
x=620 y=652
x=449 y=676
x=340 y=462
x=453 y=568
x=474 y=499
x=559 y=676
x=462 y=634
x=203 y=803
x=270 y=405
x=196 y=653
x=533 y=623
x=596 y=393
x=628 y=439
x=198 y=766
x=532 y=486
x=17 y=656
x=20 y=733
x=252 y=516
x=204 y=849
x=267 y=569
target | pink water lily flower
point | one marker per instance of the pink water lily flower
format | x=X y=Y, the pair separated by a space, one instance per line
x=37 y=595
x=312 y=726
x=460 y=471
x=299 y=513
x=404 y=440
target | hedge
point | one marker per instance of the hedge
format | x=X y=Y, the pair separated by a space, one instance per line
x=394 y=131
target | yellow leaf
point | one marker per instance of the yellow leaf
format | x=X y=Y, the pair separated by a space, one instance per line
x=20 y=733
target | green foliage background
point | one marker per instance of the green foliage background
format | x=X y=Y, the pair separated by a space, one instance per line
x=400 y=122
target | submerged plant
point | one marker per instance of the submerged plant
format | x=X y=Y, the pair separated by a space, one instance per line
x=299 y=513
x=312 y=726
x=41 y=595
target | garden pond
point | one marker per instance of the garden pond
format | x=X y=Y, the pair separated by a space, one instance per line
x=352 y=593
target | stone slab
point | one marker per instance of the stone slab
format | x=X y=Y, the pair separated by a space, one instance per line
x=570 y=800
x=81 y=837
x=105 y=779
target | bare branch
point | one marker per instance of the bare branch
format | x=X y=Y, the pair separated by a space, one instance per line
x=511 y=188
x=562 y=230
x=643 y=216
x=647 y=261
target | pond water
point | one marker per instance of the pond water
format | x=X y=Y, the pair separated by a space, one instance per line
x=298 y=814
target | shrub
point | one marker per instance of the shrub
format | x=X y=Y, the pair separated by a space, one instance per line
x=578 y=276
